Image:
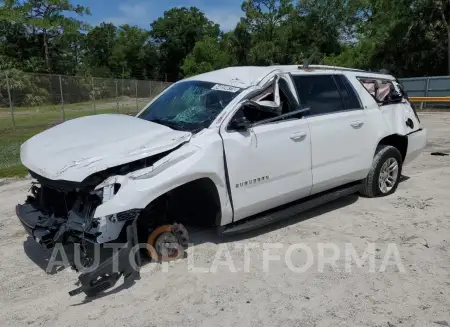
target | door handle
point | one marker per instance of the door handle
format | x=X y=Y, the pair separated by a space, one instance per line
x=298 y=136
x=357 y=124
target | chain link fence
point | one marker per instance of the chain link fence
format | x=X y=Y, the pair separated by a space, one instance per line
x=30 y=103
x=31 y=100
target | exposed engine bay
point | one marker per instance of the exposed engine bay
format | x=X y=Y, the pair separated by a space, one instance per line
x=62 y=212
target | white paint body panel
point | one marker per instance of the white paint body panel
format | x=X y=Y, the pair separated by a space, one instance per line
x=416 y=142
x=268 y=166
x=242 y=77
x=80 y=147
x=339 y=148
x=201 y=158
x=299 y=156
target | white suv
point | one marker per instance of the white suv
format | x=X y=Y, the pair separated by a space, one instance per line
x=236 y=148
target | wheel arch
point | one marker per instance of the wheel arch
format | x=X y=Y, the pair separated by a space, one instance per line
x=199 y=199
x=396 y=140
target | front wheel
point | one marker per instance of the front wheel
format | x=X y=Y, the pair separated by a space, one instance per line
x=384 y=176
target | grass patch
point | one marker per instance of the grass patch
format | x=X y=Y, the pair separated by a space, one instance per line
x=14 y=171
x=29 y=125
x=10 y=141
x=32 y=120
x=38 y=118
x=100 y=104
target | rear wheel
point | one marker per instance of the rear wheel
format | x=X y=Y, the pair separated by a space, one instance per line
x=384 y=176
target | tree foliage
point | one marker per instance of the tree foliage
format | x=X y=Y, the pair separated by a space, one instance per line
x=208 y=54
x=176 y=34
x=407 y=37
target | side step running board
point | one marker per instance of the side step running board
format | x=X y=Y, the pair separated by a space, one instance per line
x=297 y=207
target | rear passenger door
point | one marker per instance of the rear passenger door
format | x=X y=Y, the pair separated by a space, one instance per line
x=338 y=129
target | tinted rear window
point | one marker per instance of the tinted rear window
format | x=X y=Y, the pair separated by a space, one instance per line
x=319 y=93
x=348 y=94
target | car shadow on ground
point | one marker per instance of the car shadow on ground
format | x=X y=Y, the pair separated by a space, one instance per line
x=41 y=256
x=211 y=235
x=404 y=178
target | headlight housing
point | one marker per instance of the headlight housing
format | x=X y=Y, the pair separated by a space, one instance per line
x=107 y=189
x=164 y=163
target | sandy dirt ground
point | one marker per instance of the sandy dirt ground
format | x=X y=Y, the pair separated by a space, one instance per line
x=415 y=220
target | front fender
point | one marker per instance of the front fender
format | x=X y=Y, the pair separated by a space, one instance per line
x=204 y=162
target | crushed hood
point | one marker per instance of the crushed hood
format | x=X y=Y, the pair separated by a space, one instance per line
x=80 y=147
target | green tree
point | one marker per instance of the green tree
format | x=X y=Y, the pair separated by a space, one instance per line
x=240 y=42
x=100 y=43
x=409 y=38
x=208 y=54
x=263 y=17
x=46 y=20
x=176 y=34
x=133 y=55
x=443 y=8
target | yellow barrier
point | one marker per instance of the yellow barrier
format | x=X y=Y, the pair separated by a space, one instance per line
x=429 y=99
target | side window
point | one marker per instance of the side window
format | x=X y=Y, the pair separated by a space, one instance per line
x=381 y=90
x=348 y=94
x=255 y=116
x=319 y=93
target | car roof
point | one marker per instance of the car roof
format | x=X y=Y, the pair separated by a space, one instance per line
x=246 y=76
x=241 y=76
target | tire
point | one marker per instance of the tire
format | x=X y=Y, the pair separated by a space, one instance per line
x=385 y=158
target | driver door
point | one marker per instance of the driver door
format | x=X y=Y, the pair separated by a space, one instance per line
x=269 y=164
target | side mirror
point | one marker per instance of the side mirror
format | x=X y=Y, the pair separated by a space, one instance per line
x=240 y=124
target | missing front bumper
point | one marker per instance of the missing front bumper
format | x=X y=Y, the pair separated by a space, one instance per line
x=125 y=262
x=48 y=231
x=40 y=227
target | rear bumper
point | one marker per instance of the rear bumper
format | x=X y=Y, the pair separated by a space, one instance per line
x=416 y=143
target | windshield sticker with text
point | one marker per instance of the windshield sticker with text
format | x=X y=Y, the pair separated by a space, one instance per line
x=226 y=88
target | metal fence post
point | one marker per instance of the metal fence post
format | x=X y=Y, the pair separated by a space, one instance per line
x=10 y=101
x=150 y=88
x=93 y=95
x=63 y=114
x=423 y=105
x=136 y=86
x=117 y=97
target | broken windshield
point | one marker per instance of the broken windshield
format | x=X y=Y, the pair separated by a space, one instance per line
x=191 y=105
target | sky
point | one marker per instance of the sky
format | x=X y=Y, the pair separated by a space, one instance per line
x=226 y=13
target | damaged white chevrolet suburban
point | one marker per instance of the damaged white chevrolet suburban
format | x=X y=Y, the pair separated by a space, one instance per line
x=236 y=148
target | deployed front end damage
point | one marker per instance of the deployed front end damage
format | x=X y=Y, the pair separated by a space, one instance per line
x=60 y=211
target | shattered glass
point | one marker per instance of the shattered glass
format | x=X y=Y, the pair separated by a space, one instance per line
x=191 y=105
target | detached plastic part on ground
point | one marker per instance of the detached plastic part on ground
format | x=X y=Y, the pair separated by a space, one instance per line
x=104 y=277
x=128 y=259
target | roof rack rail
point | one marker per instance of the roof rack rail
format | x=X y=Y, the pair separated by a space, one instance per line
x=380 y=71
x=329 y=67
